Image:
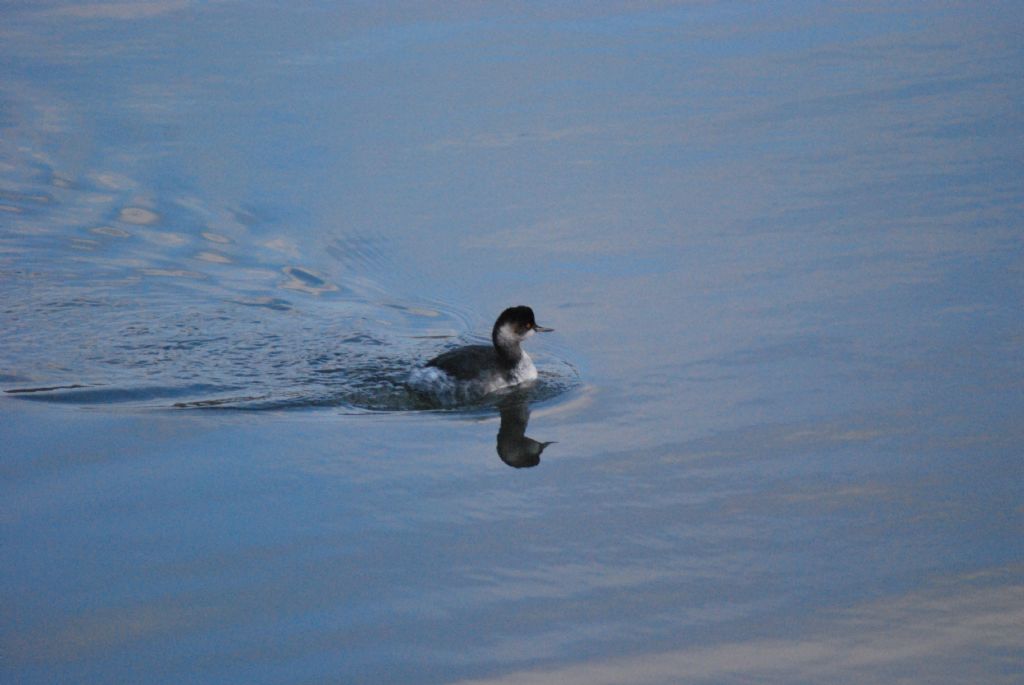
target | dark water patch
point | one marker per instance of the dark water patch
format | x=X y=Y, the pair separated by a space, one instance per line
x=273 y=303
x=51 y=388
x=92 y=395
x=307 y=278
x=306 y=281
x=236 y=402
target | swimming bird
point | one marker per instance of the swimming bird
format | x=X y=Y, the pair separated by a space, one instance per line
x=476 y=370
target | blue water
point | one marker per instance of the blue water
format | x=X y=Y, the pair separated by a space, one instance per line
x=777 y=433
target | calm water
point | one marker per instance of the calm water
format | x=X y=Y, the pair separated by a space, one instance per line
x=780 y=244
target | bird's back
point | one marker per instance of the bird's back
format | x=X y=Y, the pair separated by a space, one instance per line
x=469 y=362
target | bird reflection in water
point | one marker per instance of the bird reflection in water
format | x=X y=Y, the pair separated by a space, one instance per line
x=514 y=448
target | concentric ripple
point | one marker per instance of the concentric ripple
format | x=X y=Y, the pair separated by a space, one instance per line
x=114 y=296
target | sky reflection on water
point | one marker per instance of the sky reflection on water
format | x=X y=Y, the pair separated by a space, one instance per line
x=781 y=247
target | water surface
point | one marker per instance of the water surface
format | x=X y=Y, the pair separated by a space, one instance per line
x=780 y=414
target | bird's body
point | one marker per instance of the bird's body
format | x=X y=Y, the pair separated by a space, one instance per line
x=482 y=362
x=476 y=370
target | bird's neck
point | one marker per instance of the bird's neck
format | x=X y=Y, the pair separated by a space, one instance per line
x=506 y=344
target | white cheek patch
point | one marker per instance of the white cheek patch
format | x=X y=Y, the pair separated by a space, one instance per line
x=507 y=335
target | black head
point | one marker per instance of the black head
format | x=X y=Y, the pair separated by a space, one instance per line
x=516 y=322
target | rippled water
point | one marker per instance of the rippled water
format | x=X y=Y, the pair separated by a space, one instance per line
x=176 y=303
x=776 y=435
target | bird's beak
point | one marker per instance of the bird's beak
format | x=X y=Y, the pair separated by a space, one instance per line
x=542 y=329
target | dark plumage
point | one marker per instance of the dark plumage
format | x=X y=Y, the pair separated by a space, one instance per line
x=505 y=358
x=469 y=362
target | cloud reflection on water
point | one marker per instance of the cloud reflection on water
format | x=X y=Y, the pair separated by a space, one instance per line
x=954 y=631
